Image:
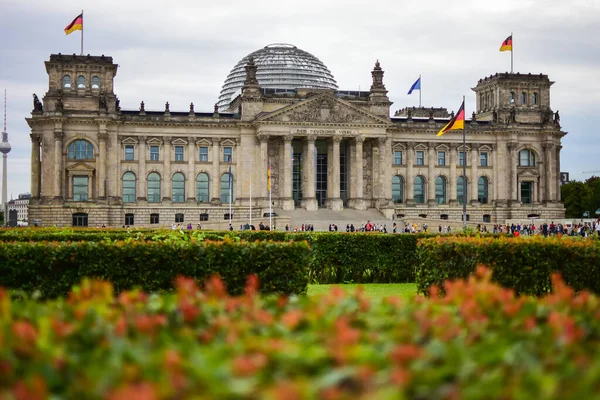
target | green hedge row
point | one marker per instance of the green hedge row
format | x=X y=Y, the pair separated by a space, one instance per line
x=524 y=264
x=52 y=268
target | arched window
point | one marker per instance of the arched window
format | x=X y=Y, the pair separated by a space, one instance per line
x=419 y=190
x=523 y=98
x=81 y=150
x=482 y=190
x=129 y=188
x=526 y=158
x=440 y=190
x=226 y=189
x=95 y=82
x=202 y=188
x=80 y=82
x=66 y=82
x=178 y=192
x=461 y=186
x=512 y=97
x=534 y=98
x=153 y=188
x=397 y=189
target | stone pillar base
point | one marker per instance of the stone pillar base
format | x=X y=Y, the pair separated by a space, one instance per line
x=335 y=204
x=432 y=203
x=215 y=201
x=358 y=204
x=191 y=200
x=410 y=203
x=310 y=204
x=453 y=203
x=288 y=204
x=475 y=203
x=389 y=213
x=514 y=203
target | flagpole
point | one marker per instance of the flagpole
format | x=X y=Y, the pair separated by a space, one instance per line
x=270 y=202
x=512 y=51
x=251 y=193
x=230 y=193
x=420 y=89
x=464 y=210
x=81 y=32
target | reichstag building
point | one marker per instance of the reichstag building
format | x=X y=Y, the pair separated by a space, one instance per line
x=280 y=109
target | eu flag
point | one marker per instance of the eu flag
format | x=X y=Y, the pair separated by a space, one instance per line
x=415 y=86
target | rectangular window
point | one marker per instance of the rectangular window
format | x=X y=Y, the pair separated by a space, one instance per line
x=80 y=188
x=154 y=153
x=397 y=158
x=178 y=218
x=178 y=153
x=129 y=219
x=154 y=218
x=228 y=154
x=526 y=192
x=129 y=152
x=204 y=154
x=461 y=158
x=441 y=158
x=483 y=159
x=420 y=157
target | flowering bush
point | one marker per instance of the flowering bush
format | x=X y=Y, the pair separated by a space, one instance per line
x=479 y=341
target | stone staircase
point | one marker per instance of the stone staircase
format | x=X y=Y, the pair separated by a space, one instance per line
x=321 y=218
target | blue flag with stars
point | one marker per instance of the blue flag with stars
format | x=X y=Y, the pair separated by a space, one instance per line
x=415 y=86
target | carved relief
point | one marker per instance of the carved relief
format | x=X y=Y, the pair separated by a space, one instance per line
x=367 y=171
x=325 y=109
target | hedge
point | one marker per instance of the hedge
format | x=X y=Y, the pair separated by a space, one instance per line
x=52 y=267
x=479 y=342
x=524 y=264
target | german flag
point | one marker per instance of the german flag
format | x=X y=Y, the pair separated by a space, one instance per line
x=76 y=25
x=458 y=122
x=507 y=44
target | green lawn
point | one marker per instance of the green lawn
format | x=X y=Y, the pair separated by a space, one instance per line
x=373 y=290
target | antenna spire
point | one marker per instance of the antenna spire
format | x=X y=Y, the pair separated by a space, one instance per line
x=4 y=130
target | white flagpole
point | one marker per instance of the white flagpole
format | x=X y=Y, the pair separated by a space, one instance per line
x=512 y=51
x=250 y=195
x=270 y=202
x=230 y=193
x=464 y=169
x=420 y=89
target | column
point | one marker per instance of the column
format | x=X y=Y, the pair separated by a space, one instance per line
x=512 y=167
x=141 y=178
x=215 y=186
x=335 y=202
x=288 y=201
x=263 y=168
x=166 y=190
x=309 y=200
x=502 y=174
x=408 y=185
x=113 y=174
x=101 y=181
x=493 y=185
x=474 y=174
x=453 y=201
x=190 y=190
x=556 y=175
x=548 y=147
x=431 y=200
x=385 y=165
x=58 y=164
x=356 y=200
x=35 y=165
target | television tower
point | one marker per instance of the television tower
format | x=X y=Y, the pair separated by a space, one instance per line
x=4 y=149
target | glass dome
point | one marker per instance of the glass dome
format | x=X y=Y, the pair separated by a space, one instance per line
x=279 y=66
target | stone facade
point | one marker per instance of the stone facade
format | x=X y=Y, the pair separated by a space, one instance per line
x=93 y=163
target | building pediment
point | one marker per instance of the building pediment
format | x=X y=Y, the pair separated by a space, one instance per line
x=179 y=142
x=80 y=167
x=323 y=109
x=528 y=173
x=204 y=142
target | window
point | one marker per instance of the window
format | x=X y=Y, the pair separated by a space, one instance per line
x=419 y=190
x=512 y=97
x=128 y=187
x=227 y=154
x=526 y=192
x=81 y=150
x=80 y=188
x=178 y=218
x=226 y=189
x=461 y=187
x=523 y=98
x=66 y=82
x=487 y=218
x=154 y=218
x=96 y=85
x=178 y=195
x=397 y=158
x=397 y=189
x=420 y=157
x=178 y=153
x=154 y=153
x=128 y=152
x=81 y=82
x=461 y=158
x=483 y=159
x=441 y=158
x=129 y=219
x=482 y=190
x=80 y=219
x=204 y=154
x=203 y=216
x=202 y=188
x=440 y=190
x=153 y=188
x=534 y=98
x=526 y=158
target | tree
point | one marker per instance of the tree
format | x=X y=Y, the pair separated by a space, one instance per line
x=580 y=197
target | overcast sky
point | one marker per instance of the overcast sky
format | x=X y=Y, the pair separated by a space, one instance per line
x=182 y=51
